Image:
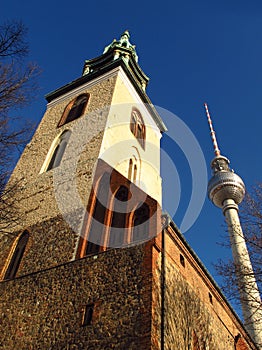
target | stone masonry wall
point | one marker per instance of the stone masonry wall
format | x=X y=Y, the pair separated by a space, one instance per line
x=36 y=197
x=44 y=310
x=39 y=210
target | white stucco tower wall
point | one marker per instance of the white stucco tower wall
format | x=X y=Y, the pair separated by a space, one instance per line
x=120 y=146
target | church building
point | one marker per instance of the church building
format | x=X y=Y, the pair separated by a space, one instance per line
x=91 y=261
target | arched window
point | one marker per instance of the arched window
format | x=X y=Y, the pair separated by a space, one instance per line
x=17 y=256
x=118 y=221
x=74 y=109
x=97 y=226
x=240 y=343
x=137 y=126
x=59 y=150
x=140 y=230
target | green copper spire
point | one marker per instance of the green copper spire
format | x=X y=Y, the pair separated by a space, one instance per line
x=122 y=43
x=119 y=53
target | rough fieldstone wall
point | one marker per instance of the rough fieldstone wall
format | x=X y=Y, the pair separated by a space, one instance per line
x=50 y=244
x=44 y=310
x=36 y=196
x=38 y=211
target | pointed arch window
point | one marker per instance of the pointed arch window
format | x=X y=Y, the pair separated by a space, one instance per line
x=97 y=226
x=140 y=226
x=118 y=221
x=74 y=109
x=17 y=256
x=58 y=150
x=137 y=126
x=132 y=170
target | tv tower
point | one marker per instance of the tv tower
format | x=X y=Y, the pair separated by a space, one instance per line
x=226 y=190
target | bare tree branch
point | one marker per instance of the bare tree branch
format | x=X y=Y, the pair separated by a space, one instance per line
x=251 y=220
x=12 y=40
x=17 y=89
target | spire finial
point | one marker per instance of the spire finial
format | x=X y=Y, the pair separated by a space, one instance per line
x=123 y=45
x=126 y=32
x=212 y=132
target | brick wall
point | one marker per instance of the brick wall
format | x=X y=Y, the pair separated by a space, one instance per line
x=188 y=310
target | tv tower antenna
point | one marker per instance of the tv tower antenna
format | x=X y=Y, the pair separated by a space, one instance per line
x=226 y=190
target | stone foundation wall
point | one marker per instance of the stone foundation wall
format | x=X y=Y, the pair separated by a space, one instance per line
x=44 y=310
x=140 y=302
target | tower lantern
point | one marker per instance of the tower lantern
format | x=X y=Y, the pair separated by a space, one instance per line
x=226 y=190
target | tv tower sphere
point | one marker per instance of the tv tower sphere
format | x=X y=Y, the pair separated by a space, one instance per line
x=224 y=184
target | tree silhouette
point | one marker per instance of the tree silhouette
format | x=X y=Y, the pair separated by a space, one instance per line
x=17 y=89
x=251 y=221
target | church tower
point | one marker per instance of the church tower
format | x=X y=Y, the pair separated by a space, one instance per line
x=99 y=131
x=90 y=261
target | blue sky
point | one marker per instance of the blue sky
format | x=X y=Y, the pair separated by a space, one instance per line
x=193 y=51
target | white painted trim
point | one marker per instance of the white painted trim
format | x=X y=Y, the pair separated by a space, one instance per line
x=51 y=151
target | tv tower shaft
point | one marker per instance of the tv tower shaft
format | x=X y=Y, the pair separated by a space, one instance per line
x=226 y=190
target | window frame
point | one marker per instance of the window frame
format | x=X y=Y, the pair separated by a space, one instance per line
x=145 y=224
x=69 y=108
x=87 y=314
x=114 y=214
x=16 y=255
x=137 y=127
x=129 y=229
x=47 y=166
x=90 y=247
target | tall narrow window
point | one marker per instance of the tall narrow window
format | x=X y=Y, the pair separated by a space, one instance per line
x=118 y=222
x=133 y=122
x=74 y=109
x=17 y=256
x=59 y=150
x=133 y=170
x=135 y=173
x=96 y=232
x=210 y=298
x=141 y=223
x=87 y=314
x=182 y=260
x=130 y=170
x=137 y=126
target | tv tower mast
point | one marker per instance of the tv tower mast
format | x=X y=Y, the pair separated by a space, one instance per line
x=226 y=190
